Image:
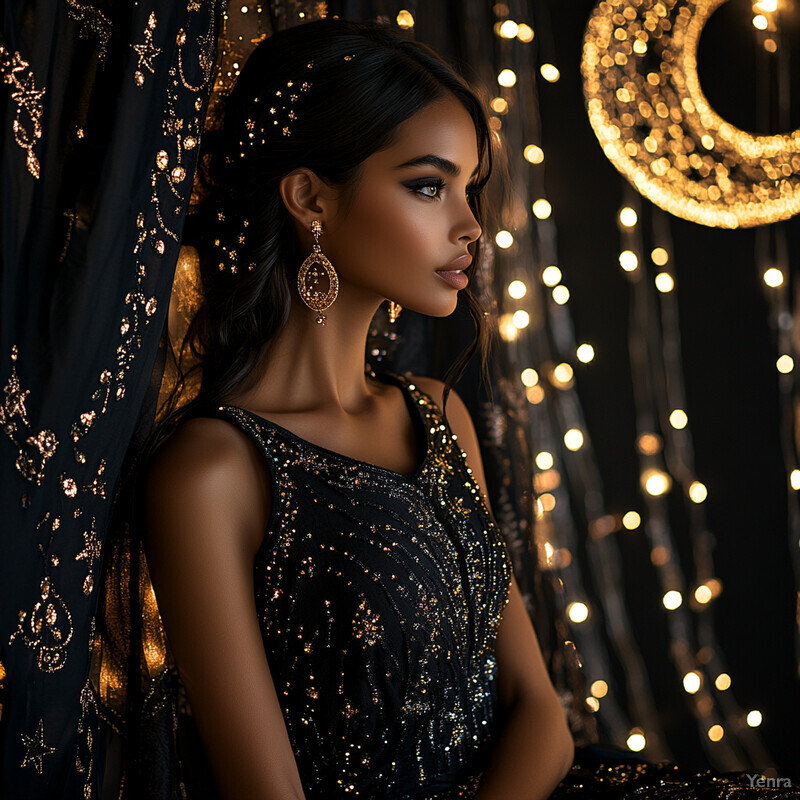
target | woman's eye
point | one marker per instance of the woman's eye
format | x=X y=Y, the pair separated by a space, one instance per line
x=437 y=187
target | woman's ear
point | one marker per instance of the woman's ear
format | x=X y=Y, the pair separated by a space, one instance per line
x=307 y=197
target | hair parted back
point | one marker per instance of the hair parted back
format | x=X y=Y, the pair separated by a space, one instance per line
x=351 y=110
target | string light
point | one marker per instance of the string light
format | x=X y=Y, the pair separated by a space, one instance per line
x=599 y=688
x=716 y=732
x=544 y=460
x=648 y=444
x=499 y=105
x=678 y=419
x=702 y=594
x=773 y=277
x=585 y=353
x=794 y=479
x=507 y=77
x=785 y=364
x=525 y=33
x=631 y=521
x=573 y=439
x=760 y=22
x=723 y=682
x=754 y=718
x=560 y=294
x=548 y=501
x=405 y=19
x=636 y=740
x=542 y=208
x=664 y=282
x=656 y=482
x=517 y=289
x=534 y=154
x=692 y=682
x=593 y=703
x=628 y=217
x=628 y=260
x=551 y=276
x=672 y=600
x=529 y=377
x=550 y=72
x=520 y=319
x=562 y=374
x=578 y=612
x=659 y=257
x=504 y=239
x=697 y=492
x=509 y=29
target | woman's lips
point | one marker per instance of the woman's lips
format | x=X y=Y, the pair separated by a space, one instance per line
x=456 y=278
x=453 y=273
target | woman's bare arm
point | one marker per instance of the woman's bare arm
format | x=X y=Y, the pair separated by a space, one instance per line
x=535 y=749
x=207 y=502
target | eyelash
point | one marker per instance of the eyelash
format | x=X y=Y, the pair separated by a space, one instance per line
x=439 y=184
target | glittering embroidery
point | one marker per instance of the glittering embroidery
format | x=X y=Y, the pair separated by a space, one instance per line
x=91 y=21
x=380 y=616
x=34 y=448
x=146 y=52
x=17 y=73
x=35 y=748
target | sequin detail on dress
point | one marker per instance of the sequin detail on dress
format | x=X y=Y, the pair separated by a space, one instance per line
x=379 y=597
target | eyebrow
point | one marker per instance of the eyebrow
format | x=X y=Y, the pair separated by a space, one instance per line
x=444 y=164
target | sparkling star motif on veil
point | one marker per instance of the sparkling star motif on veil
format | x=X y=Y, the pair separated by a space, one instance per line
x=35 y=748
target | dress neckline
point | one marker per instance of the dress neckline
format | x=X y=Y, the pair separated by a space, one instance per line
x=424 y=441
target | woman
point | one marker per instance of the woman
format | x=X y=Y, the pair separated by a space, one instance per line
x=388 y=652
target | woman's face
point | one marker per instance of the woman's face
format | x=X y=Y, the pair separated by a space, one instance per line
x=406 y=221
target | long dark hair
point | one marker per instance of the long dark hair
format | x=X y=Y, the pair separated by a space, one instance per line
x=351 y=110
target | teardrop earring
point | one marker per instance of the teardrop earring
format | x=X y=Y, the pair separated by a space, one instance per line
x=394 y=310
x=315 y=299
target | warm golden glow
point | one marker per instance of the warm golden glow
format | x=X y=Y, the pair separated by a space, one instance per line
x=672 y=600
x=585 y=353
x=760 y=22
x=628 y=217
x=659 y=256
x=766 y=6
x=499 y=105
x=692 y=681
x=636 y=741
x=578 y=612
x=723 y=681
x=509 y=29
x=405 y=19
x=504 y=239
x=562 y=373
x=716 y=732
x=550 y=72
x=631 y=521
x=697 y=492
x=773 y=277
x=655 y=482
x=507 y=77
x=702 y=594
x=785 y=364
x=551 y=276
x=544 y=460
x=508 y=331
x=664 y=282
x=521 y=318
x=654 y=123
x=628 y=260
x=599 y=688
x=573 y=439
x=678 y=419
x=525 y=33
x=542 y=209
x=534 y=154
x=535 y=394
x=560 y=295
x=529 y=377
x=548 y=501
x=593 y=704
x=517 y=289
x=794 y=479
x=648 y=444
x=754 y=718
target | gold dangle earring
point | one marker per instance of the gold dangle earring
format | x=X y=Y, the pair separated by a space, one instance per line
x=394 y=310
x=315 y=299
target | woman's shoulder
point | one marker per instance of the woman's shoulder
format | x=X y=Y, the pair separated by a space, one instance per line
x=209 y=463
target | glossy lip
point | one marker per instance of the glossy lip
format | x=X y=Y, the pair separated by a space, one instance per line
x=462 y=262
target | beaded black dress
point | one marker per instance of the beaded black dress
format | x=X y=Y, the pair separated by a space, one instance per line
x=379 y=597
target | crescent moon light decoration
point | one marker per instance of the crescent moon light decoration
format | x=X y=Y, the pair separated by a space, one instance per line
x=656 y=126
